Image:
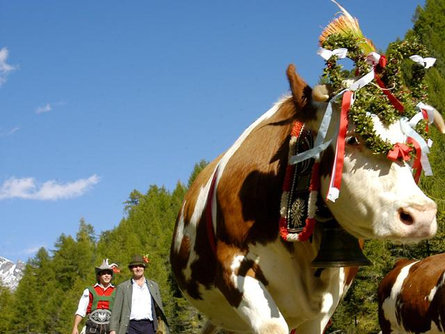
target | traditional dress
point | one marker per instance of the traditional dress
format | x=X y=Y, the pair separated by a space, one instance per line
x=97 y=302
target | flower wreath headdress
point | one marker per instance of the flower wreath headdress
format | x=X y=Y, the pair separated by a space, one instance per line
x=377 y=86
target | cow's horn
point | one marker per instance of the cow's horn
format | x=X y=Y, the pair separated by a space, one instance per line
x=438 y=121
x=320 y=93
x=301 y=92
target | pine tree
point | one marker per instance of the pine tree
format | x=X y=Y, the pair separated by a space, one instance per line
x=28 y=315
x=6 y=309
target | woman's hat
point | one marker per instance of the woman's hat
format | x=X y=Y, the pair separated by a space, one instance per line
x=105 y=266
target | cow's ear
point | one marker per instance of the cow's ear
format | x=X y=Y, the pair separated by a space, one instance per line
x=301 y=92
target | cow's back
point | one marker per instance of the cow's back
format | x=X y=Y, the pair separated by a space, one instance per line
x=412 y=297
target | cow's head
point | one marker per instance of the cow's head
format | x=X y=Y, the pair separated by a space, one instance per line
x=379 y=197
x=385 y=139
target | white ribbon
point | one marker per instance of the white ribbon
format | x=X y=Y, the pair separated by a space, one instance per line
x=363 y=81
x=373 y=58
x=429 y=109
x=410 y=132
x=326 y=54
x=320 y=144
x=417 y=117
x=425 y=62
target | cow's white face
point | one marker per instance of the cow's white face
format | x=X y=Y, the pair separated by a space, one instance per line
x=379 y=198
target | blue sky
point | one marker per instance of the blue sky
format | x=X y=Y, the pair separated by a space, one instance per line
x=99 y=98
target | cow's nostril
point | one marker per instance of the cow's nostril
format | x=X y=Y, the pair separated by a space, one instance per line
x=405 y=217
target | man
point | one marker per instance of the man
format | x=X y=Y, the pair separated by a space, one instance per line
x=97 y=302
x=138 y=305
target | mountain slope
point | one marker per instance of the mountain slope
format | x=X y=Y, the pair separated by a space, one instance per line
x=11 y=273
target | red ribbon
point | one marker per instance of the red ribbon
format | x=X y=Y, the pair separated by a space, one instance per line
x=337 y=168
x=284 y=232
x=394 y=101
x=403 y=151
x=382 y=61
x=425 y=116
x=400 y=150
x=417 y=165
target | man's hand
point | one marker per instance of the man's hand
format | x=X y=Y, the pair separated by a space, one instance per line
x=77 y=320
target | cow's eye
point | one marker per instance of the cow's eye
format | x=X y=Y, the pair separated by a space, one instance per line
x=352 y=140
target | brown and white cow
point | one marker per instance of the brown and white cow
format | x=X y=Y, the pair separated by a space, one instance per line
x=412 y=297
x=243 y=276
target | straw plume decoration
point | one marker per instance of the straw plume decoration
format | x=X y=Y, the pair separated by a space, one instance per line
x=347 y=26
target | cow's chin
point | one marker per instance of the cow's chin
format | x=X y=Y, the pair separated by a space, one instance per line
x=397 y=232
x=402 y=233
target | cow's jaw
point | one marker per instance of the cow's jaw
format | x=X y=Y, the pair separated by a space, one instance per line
x=379 y=199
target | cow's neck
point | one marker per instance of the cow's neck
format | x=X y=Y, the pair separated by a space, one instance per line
x=300 y=191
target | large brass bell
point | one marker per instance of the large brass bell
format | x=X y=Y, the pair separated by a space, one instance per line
x=338 y=248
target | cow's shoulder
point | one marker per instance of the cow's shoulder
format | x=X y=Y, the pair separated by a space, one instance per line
x=425 y=273
x=386 y=285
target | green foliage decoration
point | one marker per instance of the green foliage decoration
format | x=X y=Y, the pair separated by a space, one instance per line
x=408 y=89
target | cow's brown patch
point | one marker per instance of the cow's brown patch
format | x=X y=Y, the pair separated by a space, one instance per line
x=252 y=269
x=350 y=273
x=250 y=188
x=224 y=280
x=437 y=307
